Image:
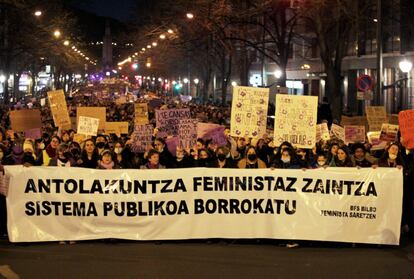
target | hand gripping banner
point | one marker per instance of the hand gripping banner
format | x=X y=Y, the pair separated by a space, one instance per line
x=334 y=204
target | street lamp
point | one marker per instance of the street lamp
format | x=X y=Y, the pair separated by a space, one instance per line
x=196 y=81
x=66 y=43
x=162 y=36
x=38 y=13
x=278 y=74
x=154 y=44
x=405 y=66
x=190 y=15
x=57 y=33
x=170 y=31
x=233 y=83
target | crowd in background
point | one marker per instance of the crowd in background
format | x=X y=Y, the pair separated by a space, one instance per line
x=57 y=148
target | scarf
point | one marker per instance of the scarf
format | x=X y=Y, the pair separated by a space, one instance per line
x=51 y=152
x=108 y=166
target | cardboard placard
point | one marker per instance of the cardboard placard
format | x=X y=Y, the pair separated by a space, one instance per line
x=295 y=120
x=35 y=133
x=142 y=138
x=406 y=121
x=187 y=133
x=337 y=132
x=93 y=112
x=58 y=106
x=249 y=111
x=354 y=134
x=322 y=132
x=374 y=140
x=168 y=120
x=88 y=126
x=116 y=128
x=376 y=116
x=141 y=114
x=26 y=119
x=389 y=132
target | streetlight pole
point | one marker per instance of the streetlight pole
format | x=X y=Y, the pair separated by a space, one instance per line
x=379 y=54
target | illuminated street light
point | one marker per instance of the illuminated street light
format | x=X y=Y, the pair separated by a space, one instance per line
x=154 y=44
x=162 y=36
x=233 y=83
x=135 y=66
x=148 y=65
x=148 y=46
x=196 y=81
x=278 y=74
x=170 y=31
x=190 y=15
x=405 y=66
x=2 y=79
x=57 y=33
x=143 y=49
x=66 y=43
x=38 y=13
x=185 y=80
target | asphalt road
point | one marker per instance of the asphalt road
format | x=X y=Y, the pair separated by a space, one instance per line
x=199 y=259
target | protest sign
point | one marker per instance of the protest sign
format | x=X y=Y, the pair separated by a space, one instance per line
x=142 y=138
x=35 y=133
x=88 y=126
x=57 y=102
x=94 y=112
x=213 y=132
x=354 y=121
x=116 y=128
x=172 y=144
x=351 y=205
x=322 y=132
x=406 y=121
x=295 y=120
x=376 y=116
x=249 y=111
x=374 y=140
x=187 y=133
x=337 y=132
x=389 y=132
x=141 y=114
x=25 y=119
x=354 y=134
x=168 y=120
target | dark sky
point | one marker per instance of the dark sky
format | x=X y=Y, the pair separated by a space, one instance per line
x=119 y=9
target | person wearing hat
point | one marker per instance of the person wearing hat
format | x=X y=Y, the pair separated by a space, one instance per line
x=359 y=156
x=106 y=162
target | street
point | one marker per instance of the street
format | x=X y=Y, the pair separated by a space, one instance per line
x=199 y=259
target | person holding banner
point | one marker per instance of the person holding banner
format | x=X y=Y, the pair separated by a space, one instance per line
x=392 y=157
x=342 y=157
x=223 y=159
x=202 y=158
x=89 y=156
x=359 y=156
x=50 y=151
x=182 y=159
x=165 y=157
x=332 y=151
x=153 y=158
x=287 y=160
x=106 y=163
x=251 y=161
x=63 y=158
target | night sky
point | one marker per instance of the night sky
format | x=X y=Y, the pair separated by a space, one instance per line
x=119 y=9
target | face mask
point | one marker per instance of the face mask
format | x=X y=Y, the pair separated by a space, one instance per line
x=221 y=157
x=251 y=157
x=118 y=150
x=392 y=156
x=42 y=146
x=100 y=145
x=285 y=160
x=321 y=163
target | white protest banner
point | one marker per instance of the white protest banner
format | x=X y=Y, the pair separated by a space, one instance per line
x=168 y=120
x=389 y=132
x=322 y=132
x=88 y=126
x=354 y=134
x=142 y=138
x=295 y=120
x=187 y=133
x=60 y=114
x=337 y=132
x=376 y=116
x=350 y=204
x=249 y=111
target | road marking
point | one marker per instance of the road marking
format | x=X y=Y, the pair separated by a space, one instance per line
x=8 y=273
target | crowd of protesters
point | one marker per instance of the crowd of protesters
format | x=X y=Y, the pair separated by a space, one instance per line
x=58 y=148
